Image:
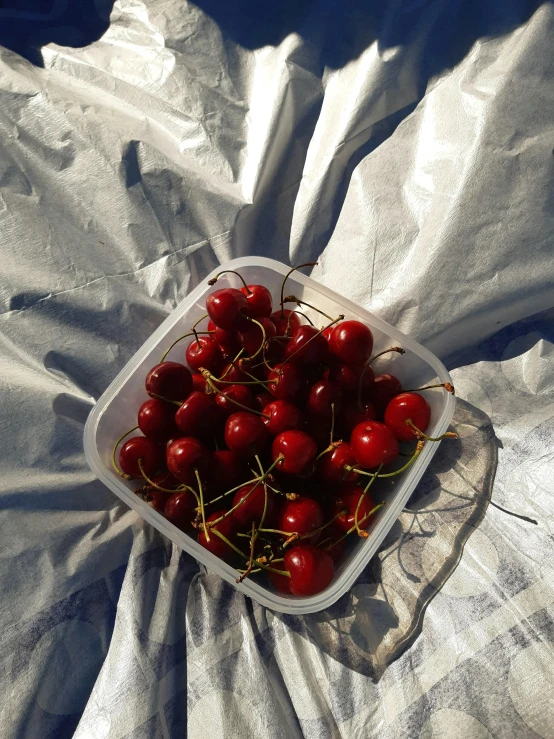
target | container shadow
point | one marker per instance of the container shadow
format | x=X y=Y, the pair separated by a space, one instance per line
x=382 y=615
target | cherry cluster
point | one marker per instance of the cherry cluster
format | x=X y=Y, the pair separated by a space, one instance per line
x=261 y=447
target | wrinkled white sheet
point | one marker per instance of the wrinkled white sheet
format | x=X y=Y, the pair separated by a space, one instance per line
x=410 y=152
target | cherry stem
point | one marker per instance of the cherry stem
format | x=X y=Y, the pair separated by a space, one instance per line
x=289 y=273
x=294 y=299
x=167 y=490
x=231 y=365
x=114 y=463
x=184 y=336
x=367 y=515
x=260 y=348
x=243 y=555
x=412 y=459
x=421 y=435
x=286 y=336
x=194 y=325
x=202 y=510
x=206 y=373
x=332 y=424
x=167 y=400
x=397 y=349
x=232 y=490
x=230 y=271
x=248 y=569
x=446 y=385
x=340 y=318
x=359 y=531
x=232 y=400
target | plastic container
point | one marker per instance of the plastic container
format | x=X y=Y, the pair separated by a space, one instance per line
x=116 y=410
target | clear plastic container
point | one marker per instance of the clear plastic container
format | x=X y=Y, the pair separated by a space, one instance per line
x=117 y=409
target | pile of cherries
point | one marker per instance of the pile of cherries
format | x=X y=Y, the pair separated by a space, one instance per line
x=266 y=448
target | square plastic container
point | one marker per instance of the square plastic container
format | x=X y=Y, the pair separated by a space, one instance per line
x=117 y=410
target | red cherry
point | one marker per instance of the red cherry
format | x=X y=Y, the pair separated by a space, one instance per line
x=253 y=506
x=311 y=569
x=373 y=444
x=407 y=406
x=285 y=319
x=157 y=500
x=336 y=552
x=298 y=450
x=185 y=455
x=165 y=480
x=139 y=447
x=226 y=469
x=234 y=373
x=245 y=433
x=259 y=301
x=262 y=399
x=180 y=509
x=330 y=467
x=224 y=307
x=199 y=383
x=326 y=333
x=301 y=516
x=351 y=342
x=156 y=420
x=225 y=339
x=250 y=334
x=306 y=346
x=171 y=380
x=283 y=416
x=385 y=387
x=347 y=377
x=352 y=416
x=349 y=497
x=240 y=393
x=288 y=381
x=281 y=582
x=204 y=353
x=216 y=545
x=199 y=415
x=322 y=395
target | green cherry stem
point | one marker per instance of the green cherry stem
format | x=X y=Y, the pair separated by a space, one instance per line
x=232 y=272
x=244 y=556
x=167 y=490
x=361 y=533
x=446 y=385
x=421 y=435
x=202 y=511
x=340 y=318
x=396 y=349
x=114 y=463
x=210 y=384
x=351 y=530
x=289 y=273
x=294 y=299
x=184 y=336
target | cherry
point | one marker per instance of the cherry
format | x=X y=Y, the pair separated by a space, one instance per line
x=180 y=509
x=262 y=399
x=171 y=380
x=337 y=550
x=226 y=469
x=306 y=346
x=199 y=382
x=281 y=582
x=165 y=480
x=224 y=307
x=352 y=416
x=311 y=569
x=322 y=395
x=301 y=516
x=199 y=415
x=240 y=393
x=330 y=467
x=285 y=319
x=156 y=420
x=225 y=339
x=373 y=444
x=326 y=333
x=204 y=353
x=245 y=433
x=351 y=342
x=234 y=372
x=250 y=334
x=348 y=497
x=185 y=455
x=283 y=416
x=298 y=450
x=404 y=407
x=385 y=387
x=347 y=377
x=253 y=507
x=143 y=449
x=259 y=301
x=216 y=545
x=288 y=381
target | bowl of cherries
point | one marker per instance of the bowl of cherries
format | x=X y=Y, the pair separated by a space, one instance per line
x=273 y=430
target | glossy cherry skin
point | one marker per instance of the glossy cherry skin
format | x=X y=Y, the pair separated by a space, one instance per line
x=330 y=467
x=224 y=307
x=352 y=416
x=348 y=498
x=252 y=508
x=288 y=381
x=225 y=339
x=226 y=470
x=139 y=447
x=322 y=396
x=259 y=300
x=347 y=377
x=298 y=450
x=199 y=416
x=311 y=569
x=156 y=420
x=234 y=373
x=283 y=416
x=245 y=433
x=229 y=393
x=216 y=545
x=351 y=342
x=301 y=516
x=180 y=509
x=164 y=480
x=306 y=346
x=373 y=444
x=170 y=380
x=281 y=582
x=406 y=406
x=385 y=387
x=285 y=320
x=199 y=383
x=204 y=353
x=185 y=455
x=250 y=335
